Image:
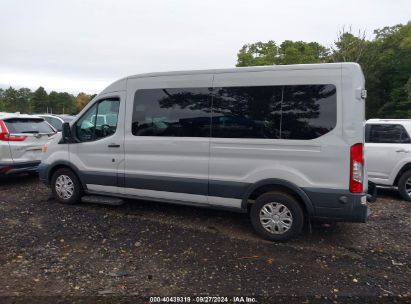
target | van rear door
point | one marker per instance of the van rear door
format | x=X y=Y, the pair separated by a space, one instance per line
x=353 y=111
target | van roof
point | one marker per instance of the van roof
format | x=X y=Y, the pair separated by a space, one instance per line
x=120 y=85
x=253 y=69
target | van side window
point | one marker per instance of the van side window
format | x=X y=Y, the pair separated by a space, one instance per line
x=308 y=111
x=247 y=112
x=286 y=112
x=272 y=112
x=99 y=121
x=387 y=133
x=172 y=112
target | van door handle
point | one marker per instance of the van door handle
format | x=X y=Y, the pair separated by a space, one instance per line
x=113 y=146
x=403 y=151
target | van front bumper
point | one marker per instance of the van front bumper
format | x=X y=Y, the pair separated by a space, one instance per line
x=339 y=205
x=20 y=167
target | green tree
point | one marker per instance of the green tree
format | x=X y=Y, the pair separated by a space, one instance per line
x=10 y=100
x=385 y=60
x=294 y=52
x=53 y=102
x=39 y=101
x=258 y=53
x=2 y=106
x=349 y=47
x=67 y=103
x=23 y=100
x=82 y=100
x=289 y=52
x=388 y=77
x=60 y=103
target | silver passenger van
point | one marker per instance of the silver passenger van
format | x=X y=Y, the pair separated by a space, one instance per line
x=283 y=143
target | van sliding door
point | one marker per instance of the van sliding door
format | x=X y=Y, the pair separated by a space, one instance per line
x=167 y=138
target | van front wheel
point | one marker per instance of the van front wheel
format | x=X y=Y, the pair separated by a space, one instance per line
x=277 y=216
x=66 y=187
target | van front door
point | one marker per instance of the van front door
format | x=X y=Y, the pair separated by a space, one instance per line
x=98 y=152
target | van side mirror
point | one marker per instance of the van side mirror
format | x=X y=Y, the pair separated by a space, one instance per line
x=66 y=132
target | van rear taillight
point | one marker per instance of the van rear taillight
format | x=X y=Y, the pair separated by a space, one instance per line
x=6 y=136
x=356 y=168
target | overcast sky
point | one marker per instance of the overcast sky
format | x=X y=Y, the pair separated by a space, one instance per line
x=84 y=45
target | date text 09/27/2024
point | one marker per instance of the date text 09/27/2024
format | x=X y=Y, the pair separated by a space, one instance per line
x=203 y=299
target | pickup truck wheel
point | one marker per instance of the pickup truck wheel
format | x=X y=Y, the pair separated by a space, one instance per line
x=66 y=187
x=277 y=216
x=404 y=185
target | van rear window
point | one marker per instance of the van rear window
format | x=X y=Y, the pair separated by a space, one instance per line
x=271 y=112
x=27 y=125
x=308 y=111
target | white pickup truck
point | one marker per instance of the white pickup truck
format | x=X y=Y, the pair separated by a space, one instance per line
x=388 y=153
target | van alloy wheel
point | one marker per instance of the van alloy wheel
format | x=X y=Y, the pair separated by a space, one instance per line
x=276 y=218
x=64 y=187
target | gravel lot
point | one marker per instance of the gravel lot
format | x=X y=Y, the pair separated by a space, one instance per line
x=153 y=249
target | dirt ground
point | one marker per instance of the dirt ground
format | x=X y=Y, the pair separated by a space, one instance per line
x=152 y=249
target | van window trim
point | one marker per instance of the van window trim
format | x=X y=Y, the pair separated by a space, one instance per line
x=98 y=101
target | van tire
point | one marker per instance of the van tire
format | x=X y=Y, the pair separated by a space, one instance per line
x=402 y=185
x=277 y=200
x=71 y=182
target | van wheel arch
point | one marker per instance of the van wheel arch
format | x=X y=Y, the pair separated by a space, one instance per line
x=65 y=166
x=286 y=187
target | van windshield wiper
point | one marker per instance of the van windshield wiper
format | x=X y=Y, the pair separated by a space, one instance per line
x=34 y=132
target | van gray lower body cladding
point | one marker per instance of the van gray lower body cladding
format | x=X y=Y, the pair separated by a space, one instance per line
x=170 y=184
x=334 y=204
x=200 y=192
x=339 y=205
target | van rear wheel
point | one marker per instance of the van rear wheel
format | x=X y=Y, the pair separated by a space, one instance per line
x=66 y=187
x=404 y=185
x=277 y=216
